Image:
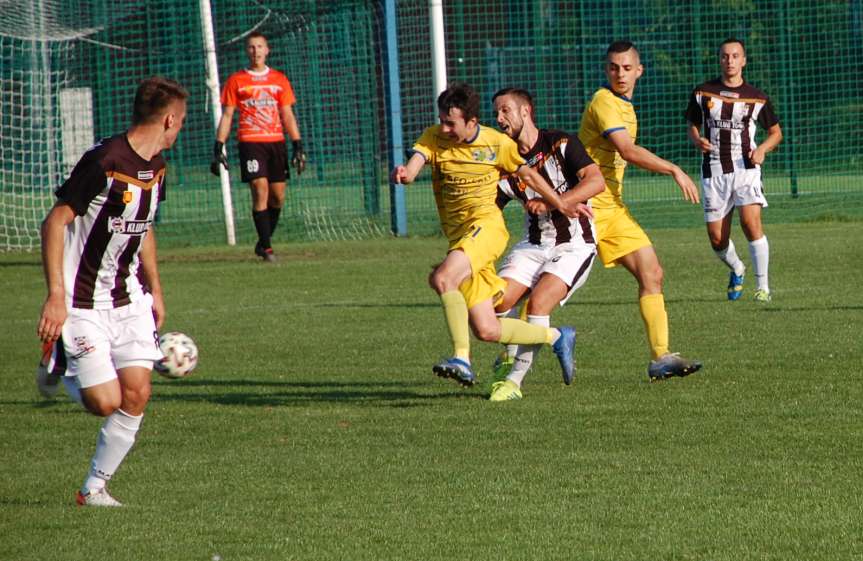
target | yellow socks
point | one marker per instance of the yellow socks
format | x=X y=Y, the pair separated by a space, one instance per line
x=455 y=312
x=655 y=322
x=523 y=333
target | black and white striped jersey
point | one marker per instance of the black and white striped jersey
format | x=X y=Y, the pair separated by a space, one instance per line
x=558 y=157
x=114 y=193
x=730 y=117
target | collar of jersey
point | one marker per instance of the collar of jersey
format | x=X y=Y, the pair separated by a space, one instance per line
x=623 y=97
x=258 y=72
x=474 y=136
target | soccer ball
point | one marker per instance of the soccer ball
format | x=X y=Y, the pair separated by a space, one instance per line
x=181 y=355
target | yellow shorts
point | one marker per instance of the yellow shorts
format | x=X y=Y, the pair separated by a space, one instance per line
x=484 y=243
x=617 y=234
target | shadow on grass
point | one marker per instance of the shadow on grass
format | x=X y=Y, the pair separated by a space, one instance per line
x=300 y=393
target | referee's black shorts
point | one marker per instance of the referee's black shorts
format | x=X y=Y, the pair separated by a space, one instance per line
x=263 y=159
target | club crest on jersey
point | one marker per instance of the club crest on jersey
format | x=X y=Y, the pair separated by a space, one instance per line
x=483 y=155
x=119 y=225
x=127 y=197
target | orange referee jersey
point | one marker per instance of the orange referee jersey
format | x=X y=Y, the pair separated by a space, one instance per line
x=258 y=96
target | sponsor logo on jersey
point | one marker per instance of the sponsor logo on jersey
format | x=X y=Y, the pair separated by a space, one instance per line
x=535 y=159
x=725 y=93
x=119 y=225
x=146 y=175
x=725 y=124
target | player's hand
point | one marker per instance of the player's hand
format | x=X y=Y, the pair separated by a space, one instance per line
x=757 y=156
x=298 y=157
x=52 y=319
x=158 y=310
x=704 y=145
x=219 y=158
x=399 y=174
x=690 y=191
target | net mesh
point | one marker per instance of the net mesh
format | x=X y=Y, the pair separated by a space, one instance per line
x=69 y=68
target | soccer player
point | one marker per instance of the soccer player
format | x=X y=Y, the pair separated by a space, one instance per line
x=467 y=159
x=264 y=97
x=730 y=110
x=98 y=253
x=608 y=132
x=555 y=256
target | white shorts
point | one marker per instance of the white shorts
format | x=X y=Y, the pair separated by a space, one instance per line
x=100 y=342
x=721 y=194
x=570 y=262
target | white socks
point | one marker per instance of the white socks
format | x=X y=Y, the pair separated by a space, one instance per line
x=525 y=353
x=115 y=440
x=729 y=257
x=759 y=250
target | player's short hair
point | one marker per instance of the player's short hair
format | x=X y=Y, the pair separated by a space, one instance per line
x=621 y=47
x=733 y=40
x=520 y=93
x=153 y=96
x=460 y=96
x=256 y=35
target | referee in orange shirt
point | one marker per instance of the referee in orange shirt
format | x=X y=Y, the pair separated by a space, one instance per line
x=264 y=97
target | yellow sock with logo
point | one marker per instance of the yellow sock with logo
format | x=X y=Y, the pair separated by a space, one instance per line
x=522 y=333
x=455 y=312
x=655 y=322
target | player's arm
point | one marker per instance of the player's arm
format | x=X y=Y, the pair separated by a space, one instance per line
x=292 y=128
x=151 y=275
x=590 y=184
x=774 y=137
x=646 y=159
x=222 y=132
x=408 y=173
x=694 y=133
x=537 y=182
x=54 y=309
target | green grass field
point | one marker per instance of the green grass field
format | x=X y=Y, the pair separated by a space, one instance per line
x=313 y=428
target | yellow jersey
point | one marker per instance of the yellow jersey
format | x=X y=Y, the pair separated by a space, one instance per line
x=465 y=175
x=607 y=112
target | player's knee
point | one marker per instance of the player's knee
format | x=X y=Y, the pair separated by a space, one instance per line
x=716 y=242
x=489 y=332
x=652 y=278
x=136 y=399
x=101 y=405
x=541 y=304
x=440 y=282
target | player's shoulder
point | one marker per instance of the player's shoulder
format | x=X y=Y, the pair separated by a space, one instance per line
x=277 y=75
x=105 y=150
x=491 y=134
x=751 y=91
x=712 y=86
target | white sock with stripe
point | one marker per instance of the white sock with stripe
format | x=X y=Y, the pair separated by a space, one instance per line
x=115 y=440
x=525 y=353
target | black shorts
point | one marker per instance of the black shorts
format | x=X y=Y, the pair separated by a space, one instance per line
x=263 y=159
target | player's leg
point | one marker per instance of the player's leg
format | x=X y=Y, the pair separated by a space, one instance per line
x=260 y=189
x=645 y=267
x=749 y=199
x=275 y=202
x=277 y=175
x=445 y=280
x=520 y=269
x=759 y=249
x=510 y=306
x=718 y=201
x=128 y=341
x=719 y=234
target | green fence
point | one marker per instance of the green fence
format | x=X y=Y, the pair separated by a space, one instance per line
x=68 y=70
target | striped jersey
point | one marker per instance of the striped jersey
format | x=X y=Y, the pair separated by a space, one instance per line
x=606 y=113
x=465 y=175
x=258 y=96
x=114 y=193
x=558 y=157
x=730 y=117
